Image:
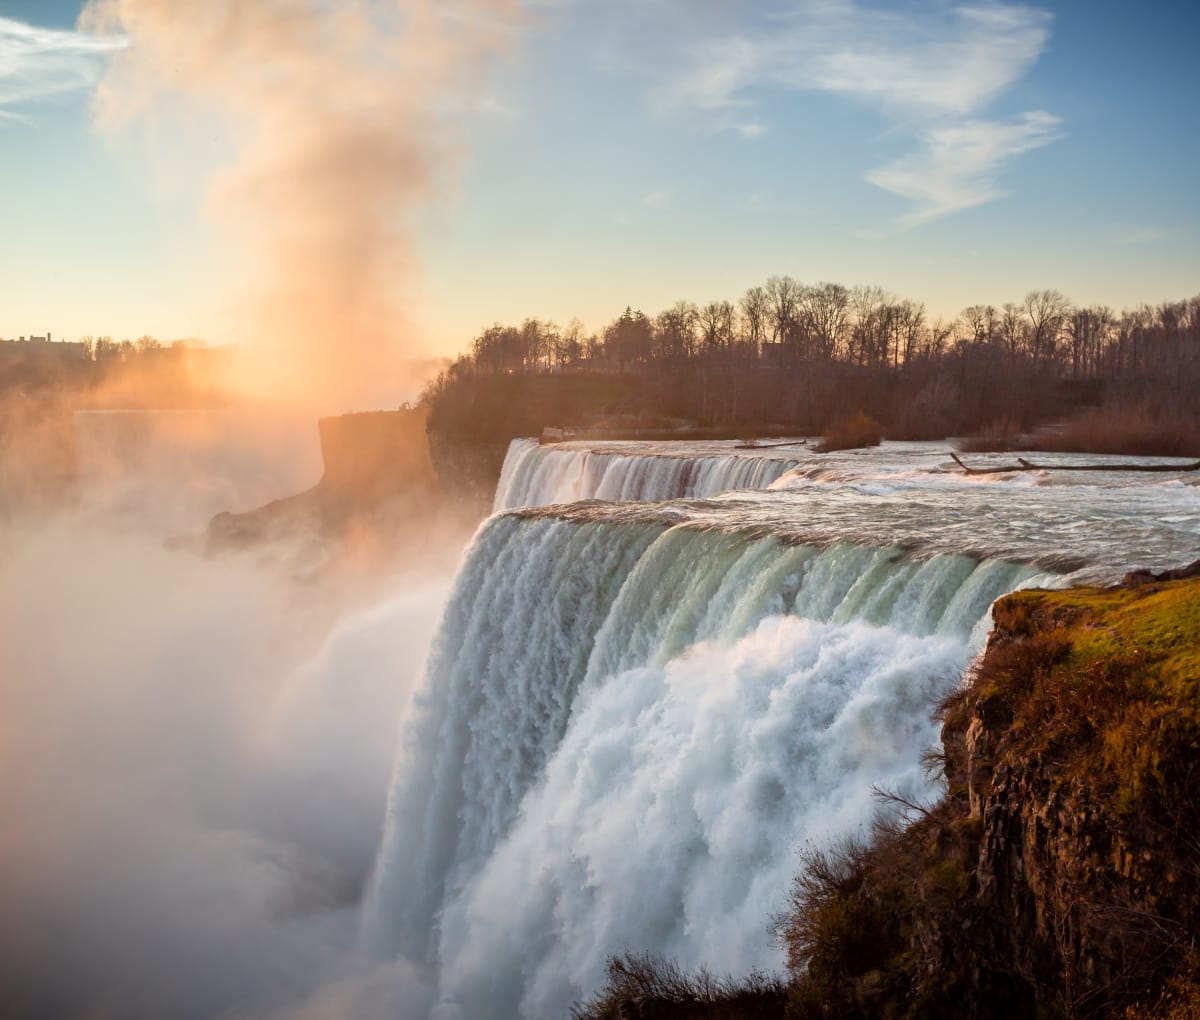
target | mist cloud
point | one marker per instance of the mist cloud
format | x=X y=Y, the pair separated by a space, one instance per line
x=193 y=782
x=340 y=120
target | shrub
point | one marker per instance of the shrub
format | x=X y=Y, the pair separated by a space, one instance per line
x=643 y=985
x=1138 y=430
x=851 y=433
x=999 y=436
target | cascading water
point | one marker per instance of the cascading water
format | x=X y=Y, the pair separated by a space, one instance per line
x=638 y=725
x=536 y=475
x=633 y=716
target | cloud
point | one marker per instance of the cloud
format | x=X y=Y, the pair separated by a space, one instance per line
x=954 y=167
x=36 y=63
x=932 y=70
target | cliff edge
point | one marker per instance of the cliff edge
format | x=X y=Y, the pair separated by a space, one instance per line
x=377 y=474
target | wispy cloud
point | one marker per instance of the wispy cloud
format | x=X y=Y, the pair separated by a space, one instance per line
x=1146 y=235
x=39 y=62
x=932 y=69
x=955 y=165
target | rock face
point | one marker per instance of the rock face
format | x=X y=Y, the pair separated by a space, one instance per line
x=1082 y=773
x=1136 y=577
x=467 y=471
x=1060 y=876
x=377 y=473
x=376 y=455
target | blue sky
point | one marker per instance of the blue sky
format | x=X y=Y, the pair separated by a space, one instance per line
x=642 y=152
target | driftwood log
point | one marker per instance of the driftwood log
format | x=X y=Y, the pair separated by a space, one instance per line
x=769 y=446
x=1024 y=465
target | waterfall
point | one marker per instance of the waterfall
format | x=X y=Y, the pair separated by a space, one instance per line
x=628 y=728
x=536 y=475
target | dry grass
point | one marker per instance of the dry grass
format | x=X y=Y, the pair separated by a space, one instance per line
x=1178 y=1000
x=1140 y=430
x=1136 y=430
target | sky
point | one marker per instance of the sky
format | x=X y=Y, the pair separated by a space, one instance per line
x=640 y=152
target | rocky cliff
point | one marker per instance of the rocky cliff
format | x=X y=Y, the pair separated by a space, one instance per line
x=377 y=473
x=1059 y=876
x=467 y=470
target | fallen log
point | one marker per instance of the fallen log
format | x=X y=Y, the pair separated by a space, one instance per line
x=1025 y=465
x=769 y=446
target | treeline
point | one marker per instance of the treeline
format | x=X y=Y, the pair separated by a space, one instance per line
x=105 y=348
x=807 y=355
x=105 y=372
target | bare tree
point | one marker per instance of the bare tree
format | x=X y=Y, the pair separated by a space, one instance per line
x=756 y=309
x=1012 y=329
x=676 y=331
x=981 y=320
x=783 y=297
x=716 y=326
x=826 y=310
x=1046 y=311
x=864 y=346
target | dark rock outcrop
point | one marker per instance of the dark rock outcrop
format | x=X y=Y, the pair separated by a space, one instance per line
x=1136 y=577
x=377 y=474
x=1060 y=876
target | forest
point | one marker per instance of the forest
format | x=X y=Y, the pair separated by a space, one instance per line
x=805 y=357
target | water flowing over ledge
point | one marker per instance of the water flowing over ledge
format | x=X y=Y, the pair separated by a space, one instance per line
x=536 y=475
x=628 y=728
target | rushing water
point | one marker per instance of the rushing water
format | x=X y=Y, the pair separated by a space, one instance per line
x=536 y=475
x=635 y=713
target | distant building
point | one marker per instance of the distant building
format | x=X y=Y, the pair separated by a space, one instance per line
x=40 y=349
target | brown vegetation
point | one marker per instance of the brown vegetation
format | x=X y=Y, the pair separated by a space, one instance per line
x=852 y=433
x=1141 y=429
x=644 y=987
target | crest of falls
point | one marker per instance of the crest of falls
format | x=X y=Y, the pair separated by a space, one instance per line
x=536 y=475
x=634 y=715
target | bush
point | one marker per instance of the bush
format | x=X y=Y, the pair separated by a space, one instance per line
x=1139 y=430
x=851 y=433
x=642 y=986
x=999 y=436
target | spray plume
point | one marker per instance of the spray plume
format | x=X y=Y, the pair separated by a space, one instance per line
x=340 y=117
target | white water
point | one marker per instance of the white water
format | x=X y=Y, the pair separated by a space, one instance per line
x=628 y=729
x=634 y=715
x=536 y=475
